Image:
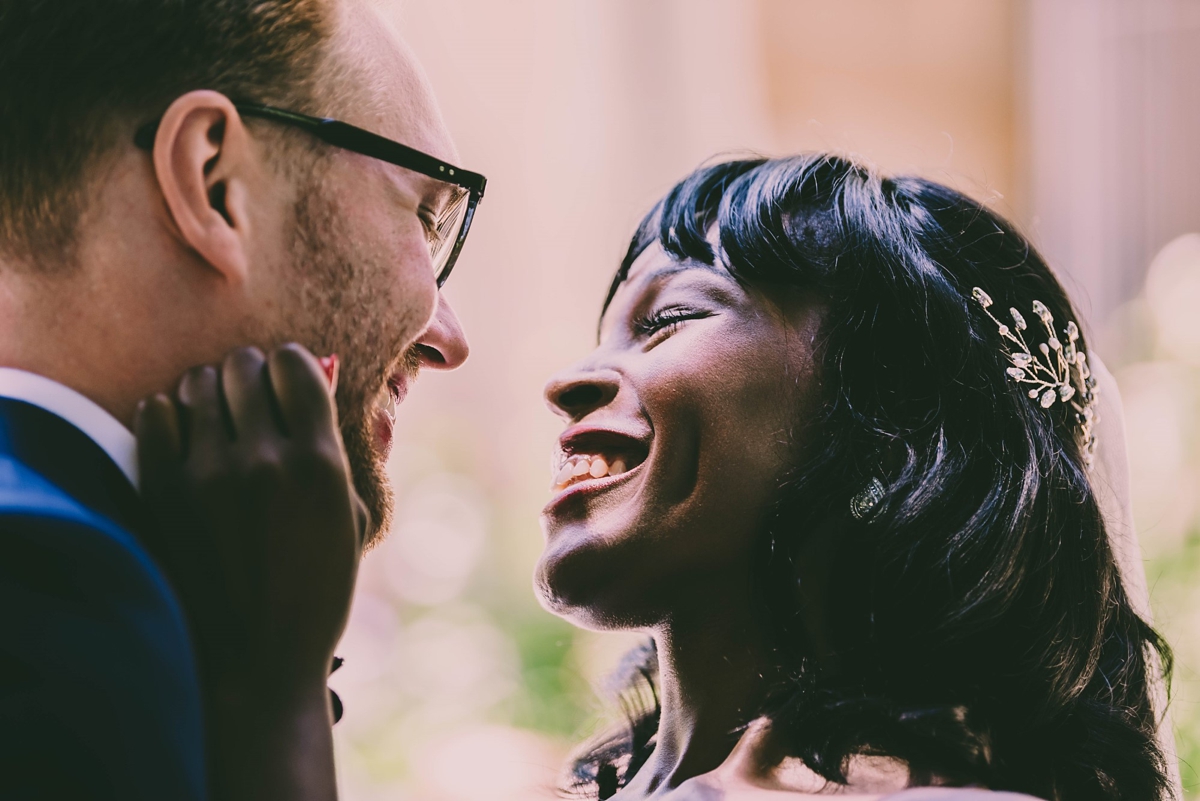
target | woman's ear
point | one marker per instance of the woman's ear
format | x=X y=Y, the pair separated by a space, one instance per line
x=202 y=156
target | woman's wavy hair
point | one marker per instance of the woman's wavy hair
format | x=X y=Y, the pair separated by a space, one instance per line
x=979 y=627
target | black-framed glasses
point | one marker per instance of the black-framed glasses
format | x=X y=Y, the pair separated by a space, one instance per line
x=446 y=233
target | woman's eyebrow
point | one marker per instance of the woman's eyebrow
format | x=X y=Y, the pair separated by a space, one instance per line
x=661 y=273
x=676 y=268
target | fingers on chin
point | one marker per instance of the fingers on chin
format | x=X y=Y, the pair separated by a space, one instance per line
x=157 y=428
x=301 y=389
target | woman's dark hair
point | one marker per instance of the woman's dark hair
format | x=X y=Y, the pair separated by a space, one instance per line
x=978 y=624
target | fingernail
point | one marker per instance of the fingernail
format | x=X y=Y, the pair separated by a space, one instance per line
x=331 y=365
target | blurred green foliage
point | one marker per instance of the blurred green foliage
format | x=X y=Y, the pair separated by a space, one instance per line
x=552 y=696
x=1173 y=580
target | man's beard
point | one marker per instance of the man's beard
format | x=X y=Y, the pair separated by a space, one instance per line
x=366 y=460
x=366 y=469
x=337 y=292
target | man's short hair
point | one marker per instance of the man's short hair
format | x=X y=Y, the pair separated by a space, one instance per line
x=77 y=75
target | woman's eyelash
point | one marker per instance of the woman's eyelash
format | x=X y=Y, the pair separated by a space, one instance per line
x=667 y=318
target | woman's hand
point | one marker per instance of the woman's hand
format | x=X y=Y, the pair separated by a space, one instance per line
x=257 y=525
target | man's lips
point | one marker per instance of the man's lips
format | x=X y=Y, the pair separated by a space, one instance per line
x=390 y=397
x=397 y=386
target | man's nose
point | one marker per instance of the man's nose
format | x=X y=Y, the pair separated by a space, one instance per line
x=443 y=346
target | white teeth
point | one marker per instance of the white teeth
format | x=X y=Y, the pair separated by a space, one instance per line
x=387 y=404
x=577 y=468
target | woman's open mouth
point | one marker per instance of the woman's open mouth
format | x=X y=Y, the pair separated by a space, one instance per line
x=590 y=460
x=580 y=468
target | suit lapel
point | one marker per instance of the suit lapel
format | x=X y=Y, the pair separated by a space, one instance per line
x=69 y=459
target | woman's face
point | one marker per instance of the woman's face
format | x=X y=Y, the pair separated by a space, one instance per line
x=680 y=425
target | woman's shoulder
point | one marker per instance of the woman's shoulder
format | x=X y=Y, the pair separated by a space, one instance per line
x=708 y=791
x=752 y=772
x=955 y=794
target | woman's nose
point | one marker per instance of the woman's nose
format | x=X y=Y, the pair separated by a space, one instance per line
x=576 y=393
x=443 y=346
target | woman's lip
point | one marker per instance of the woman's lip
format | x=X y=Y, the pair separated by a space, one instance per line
x=569 y=441
x=590 y=486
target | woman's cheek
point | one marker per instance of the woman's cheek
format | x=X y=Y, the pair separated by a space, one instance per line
x=723 y=395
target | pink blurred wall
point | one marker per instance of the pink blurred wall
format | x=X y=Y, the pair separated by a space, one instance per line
x=582 y=113
x=1080 y=119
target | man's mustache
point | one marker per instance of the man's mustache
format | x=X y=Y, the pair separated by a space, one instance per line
x=410 y=363
x=352 y=401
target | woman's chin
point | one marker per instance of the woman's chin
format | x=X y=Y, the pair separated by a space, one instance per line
x=593 y=581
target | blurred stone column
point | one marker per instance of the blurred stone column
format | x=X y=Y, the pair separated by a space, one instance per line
x=1112 y=107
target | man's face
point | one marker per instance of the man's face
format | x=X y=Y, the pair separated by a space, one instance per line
x=359 y=279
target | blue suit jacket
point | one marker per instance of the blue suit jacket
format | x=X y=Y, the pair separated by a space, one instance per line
x=99 y=697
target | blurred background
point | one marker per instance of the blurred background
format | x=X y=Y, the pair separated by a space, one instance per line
x=1078 y=119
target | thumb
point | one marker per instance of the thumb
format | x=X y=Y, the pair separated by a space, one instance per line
x=175 y=537
x=362 y=519
x=160 y=462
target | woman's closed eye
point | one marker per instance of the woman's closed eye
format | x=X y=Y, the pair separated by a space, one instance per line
x=661 y=323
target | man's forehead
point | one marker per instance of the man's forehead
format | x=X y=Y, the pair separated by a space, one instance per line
x=389 y=92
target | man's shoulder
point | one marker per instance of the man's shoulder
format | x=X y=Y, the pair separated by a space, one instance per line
x=22 y=491
x=30 y=501
x=99 y=672
x=52 y=545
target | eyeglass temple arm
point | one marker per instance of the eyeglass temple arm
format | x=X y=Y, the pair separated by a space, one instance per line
x=347 y=136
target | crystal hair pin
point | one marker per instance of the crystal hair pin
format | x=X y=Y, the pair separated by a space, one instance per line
x=1055 y=372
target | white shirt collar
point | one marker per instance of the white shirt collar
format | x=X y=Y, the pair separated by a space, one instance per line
x=101 y=427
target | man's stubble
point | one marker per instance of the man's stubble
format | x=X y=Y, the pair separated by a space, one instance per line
x=337 y=298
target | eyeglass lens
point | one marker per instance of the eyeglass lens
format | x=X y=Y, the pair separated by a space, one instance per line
x=447 y=230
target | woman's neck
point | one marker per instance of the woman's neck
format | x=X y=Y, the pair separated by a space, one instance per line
x=715 y=670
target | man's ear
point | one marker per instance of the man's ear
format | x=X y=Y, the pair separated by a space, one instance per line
x=202 y=155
